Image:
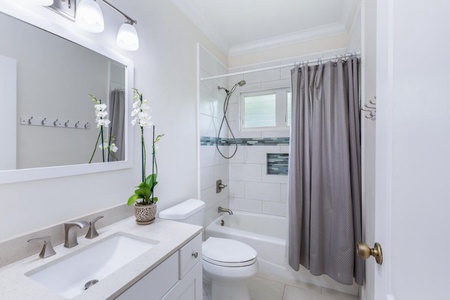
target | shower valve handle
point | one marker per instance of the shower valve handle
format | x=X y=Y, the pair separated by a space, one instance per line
x=220 y=186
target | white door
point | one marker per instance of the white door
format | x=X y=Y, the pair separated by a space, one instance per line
x=412 y=214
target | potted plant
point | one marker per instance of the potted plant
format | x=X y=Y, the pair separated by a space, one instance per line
x=143 y=198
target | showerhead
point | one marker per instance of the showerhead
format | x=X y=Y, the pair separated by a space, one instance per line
x=242 y=83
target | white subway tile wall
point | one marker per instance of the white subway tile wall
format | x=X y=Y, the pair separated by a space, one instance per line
x=249 y=186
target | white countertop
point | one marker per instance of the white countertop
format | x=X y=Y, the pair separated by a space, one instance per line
x=14 y=284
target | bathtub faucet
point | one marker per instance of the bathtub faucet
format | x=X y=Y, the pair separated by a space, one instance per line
x=221 y=209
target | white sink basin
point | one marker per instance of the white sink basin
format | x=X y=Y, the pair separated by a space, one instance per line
x=68 y=275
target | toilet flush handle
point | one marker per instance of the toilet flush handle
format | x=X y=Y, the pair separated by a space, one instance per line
x=195 y=254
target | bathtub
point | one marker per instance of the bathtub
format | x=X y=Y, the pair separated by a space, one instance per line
x=267 y=235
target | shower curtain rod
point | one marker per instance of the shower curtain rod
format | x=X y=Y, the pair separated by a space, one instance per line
x=322 y=60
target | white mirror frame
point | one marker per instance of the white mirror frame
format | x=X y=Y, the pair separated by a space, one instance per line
x=42 y=17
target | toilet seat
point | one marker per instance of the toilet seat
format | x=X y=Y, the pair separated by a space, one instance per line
x=228 y=253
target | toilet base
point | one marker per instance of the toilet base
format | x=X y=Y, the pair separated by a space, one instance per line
x=227 y=290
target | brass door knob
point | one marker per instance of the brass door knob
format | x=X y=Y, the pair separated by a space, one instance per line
x=364 y=251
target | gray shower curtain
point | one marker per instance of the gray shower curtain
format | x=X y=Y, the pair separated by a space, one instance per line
x=324 y=171
x=117 y=118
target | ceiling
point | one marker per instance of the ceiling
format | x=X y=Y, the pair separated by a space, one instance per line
x=243 y=26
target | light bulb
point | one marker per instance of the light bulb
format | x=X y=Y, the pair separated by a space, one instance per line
x=90 y=16
x=127 y=37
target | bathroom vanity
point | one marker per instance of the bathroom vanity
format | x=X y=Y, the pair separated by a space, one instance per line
x=166 y=264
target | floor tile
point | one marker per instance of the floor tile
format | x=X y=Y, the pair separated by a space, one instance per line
x=294 y=293
x=264 y=289
x=332 y=294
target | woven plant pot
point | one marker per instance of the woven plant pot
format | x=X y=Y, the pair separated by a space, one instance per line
x=145 y=214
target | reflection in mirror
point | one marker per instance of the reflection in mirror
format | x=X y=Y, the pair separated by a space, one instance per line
x=46 y=80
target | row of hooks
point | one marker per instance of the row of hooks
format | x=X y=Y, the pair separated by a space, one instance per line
x=35 y=121
x=370 y=109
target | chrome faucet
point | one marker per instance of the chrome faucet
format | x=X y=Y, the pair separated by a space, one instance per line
x=221 y=209
x=92 y=232
x=70 y=232
x=47 y=249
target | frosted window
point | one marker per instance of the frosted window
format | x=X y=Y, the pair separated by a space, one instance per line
x=260 y=111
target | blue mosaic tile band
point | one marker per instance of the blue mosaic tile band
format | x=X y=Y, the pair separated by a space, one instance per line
x=277 y=163
x=211 y=141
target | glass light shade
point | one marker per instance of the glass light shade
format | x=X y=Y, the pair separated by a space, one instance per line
x=90 y=16
x=41 y=2
x=127 y=37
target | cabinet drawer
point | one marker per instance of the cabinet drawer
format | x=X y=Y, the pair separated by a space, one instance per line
x=190 y=254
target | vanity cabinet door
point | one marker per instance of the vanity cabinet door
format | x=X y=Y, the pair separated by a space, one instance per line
x=190 y=287
x=155 y=284
x=190 y=254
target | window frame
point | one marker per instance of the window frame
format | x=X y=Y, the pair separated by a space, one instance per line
x=281 y=109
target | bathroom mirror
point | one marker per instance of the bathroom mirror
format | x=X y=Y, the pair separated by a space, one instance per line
x=47 y=120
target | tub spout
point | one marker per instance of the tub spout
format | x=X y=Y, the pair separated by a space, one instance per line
x=221 y=209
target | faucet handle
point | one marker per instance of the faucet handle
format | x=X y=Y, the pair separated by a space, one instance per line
x=92 y=232
x=47 y=249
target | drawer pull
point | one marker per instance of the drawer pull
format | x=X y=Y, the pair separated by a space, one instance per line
x=195 y=254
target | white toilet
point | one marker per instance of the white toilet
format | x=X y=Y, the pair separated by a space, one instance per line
x=226 y=262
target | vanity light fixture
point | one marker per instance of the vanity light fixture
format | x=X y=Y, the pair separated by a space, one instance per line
x=89 y=16
x=127 y=37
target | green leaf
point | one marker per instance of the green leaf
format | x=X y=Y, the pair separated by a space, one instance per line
x=151 y=180
x=132 y=199
x=155 y=199
x=143 y=191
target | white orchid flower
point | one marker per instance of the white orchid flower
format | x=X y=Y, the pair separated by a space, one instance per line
x=100 y=107
x=103 y=122
x=113 y=148
x=140 y=112
x=135 y=112
x=102 y=114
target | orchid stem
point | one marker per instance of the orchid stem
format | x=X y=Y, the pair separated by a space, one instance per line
x=95 y=147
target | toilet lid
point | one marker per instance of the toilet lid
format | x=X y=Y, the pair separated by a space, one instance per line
x=227 y=252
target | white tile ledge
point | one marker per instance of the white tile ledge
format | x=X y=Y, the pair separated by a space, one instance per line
x=14 y=284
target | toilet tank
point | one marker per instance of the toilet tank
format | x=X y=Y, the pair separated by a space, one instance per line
x=190 y=211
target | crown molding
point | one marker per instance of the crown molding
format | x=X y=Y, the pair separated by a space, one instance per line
x=287 y=39
x=190 y=10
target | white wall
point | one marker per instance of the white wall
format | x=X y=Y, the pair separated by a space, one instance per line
x=166 y=72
